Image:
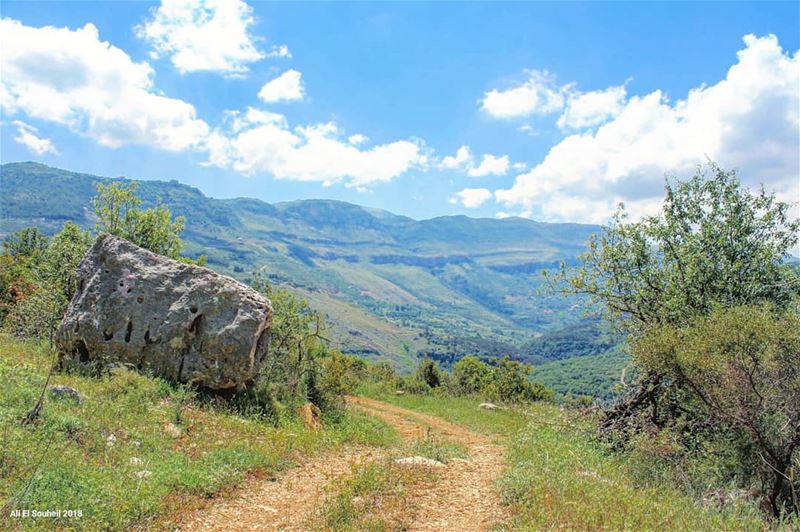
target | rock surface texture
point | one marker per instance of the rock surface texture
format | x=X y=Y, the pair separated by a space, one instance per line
x=179 y=321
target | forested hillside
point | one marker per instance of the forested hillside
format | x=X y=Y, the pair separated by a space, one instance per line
x=392 y=287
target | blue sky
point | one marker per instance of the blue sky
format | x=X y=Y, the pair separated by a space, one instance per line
x=555 y=111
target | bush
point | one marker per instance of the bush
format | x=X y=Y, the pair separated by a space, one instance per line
x=429 y=373
x=510 y=383
x=470 y=375
x=740 y=367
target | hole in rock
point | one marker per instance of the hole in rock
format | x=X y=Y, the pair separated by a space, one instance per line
x=193 y=309
x=128 y=331
x=140 y=299
x=108 y=335
x=196 y=324
x=81 y=351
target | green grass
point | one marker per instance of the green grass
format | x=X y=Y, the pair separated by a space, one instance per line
x=116 y=456
x=463 y=411
x=559 y=477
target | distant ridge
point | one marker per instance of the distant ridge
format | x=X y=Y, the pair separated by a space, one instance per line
x=392 y=286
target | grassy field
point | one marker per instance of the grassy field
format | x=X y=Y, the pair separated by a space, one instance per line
x=121 y=458
x=559 y=477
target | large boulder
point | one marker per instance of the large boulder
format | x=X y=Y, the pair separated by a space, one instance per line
x=178 y=321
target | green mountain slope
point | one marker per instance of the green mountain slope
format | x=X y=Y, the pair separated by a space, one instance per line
x=393 y=287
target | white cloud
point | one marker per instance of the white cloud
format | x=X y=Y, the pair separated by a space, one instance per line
x=286 y=87
x=539 y=95
x=471 y=197
x=748 y=121
x=462 y=157
x=464 y=160
x=357 y=139
x=490 y=165
x=263 y=142
x=280 y=51
x=27 y=136
x=587 y=109
x=203 y=35
x=75 y=79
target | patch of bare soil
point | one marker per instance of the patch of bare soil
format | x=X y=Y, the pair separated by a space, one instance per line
x=284 y=503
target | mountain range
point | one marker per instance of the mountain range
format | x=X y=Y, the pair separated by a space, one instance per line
x=392 y=287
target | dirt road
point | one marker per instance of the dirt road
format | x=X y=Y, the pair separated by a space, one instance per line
x=463 y=499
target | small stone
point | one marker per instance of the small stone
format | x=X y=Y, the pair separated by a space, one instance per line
x=111 y=440
x=419 y=460
x=172 y=430
x=136 y=461
x=399 y=392
x=136 y=443
x=311 y=416
x=144 y=473
x=488 y=406
x=60 y=392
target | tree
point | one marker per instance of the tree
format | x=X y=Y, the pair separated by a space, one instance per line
x=742 y=365
x=28 y=242
x=117 y=208
x=49 y=278
x=510 y=382
x=429 y=373
x=715 y=245
x=714 y=242
x=471 y=375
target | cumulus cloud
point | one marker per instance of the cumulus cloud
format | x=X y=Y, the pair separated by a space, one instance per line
x=586 y=109
x=204 y=36
x=286 y=87
x=258 y=141
x=72 y=78
x=471 y=197
x=464 y=160
x=357 y=139
x=27 y=136
x=539 y=94
x=490 y=165
x=749 y=121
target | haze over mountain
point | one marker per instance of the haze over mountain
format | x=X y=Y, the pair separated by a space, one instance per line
x=392 y=287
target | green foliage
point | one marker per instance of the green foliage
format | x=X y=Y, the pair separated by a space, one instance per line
x=599 y=376
x=428 y=372
x=38 y=287
x=29 y=242
x=117 y=207
x=713 y=243
x=510 y=383
x=702 y=289
x=471 y=375
x=741 y=367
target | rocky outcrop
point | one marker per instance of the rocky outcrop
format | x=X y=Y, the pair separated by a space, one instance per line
x=178 y=321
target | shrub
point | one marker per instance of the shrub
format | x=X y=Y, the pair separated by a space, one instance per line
x=741 y=368
x=470 y=375
x=429 y=373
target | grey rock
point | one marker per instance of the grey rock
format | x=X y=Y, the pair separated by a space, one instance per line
x=60 y=392
x=179 y=321
x=488 y=406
